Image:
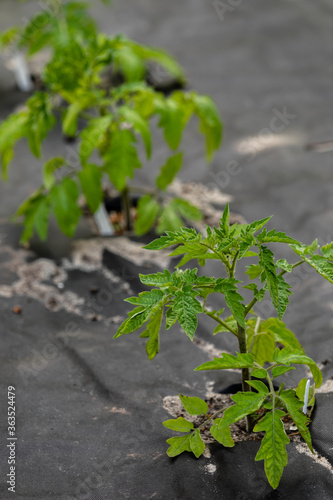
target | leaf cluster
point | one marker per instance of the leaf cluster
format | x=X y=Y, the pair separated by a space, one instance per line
x=110 y=122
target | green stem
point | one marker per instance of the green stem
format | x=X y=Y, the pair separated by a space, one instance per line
x=233 y=266
x=220 y=321
x=127 y=207
x=221 y=257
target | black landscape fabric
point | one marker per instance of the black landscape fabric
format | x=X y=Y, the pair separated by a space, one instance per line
x=89 y=408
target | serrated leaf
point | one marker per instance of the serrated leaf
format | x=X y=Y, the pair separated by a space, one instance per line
x=196 y=443
x=91 y=182
x=171 y=318
x=228 y=361
x=156 y=279
x=280 y=370
x=121 y=159
x=283 y=264
x=147 y=212
x=210 y=123
x=275 y=236
x=172 y=238
x=273 y=446
x=266 y=262
x=294 y=407
x=36 y=212
x=128 y=63
x=136 y=319
x=225 y=221
x=284 y=293
x=179 y=424
x=169 y=171
x=69 y=124
x=48 y=171
x=92 y=135
x=256 y=225
x=258 y=385
x=258 y=294
x=232 y=297
x=327 y=251
x=147 y=299
x=246 y=403
x=64 y=197
x=187 y=307
x=322 y=266
x=259 y=373
x=140 y=125
x=186 y=210
x=153 y=332
x=230 y=321
x=289 y=355
x=194 y=405
x=222 y=434
x=178 y=445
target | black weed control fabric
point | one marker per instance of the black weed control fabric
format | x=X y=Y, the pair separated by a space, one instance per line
x=89 y=408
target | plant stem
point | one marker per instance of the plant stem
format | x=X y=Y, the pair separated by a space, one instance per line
x=221 y=322
x=245 y=374
x=126 y=203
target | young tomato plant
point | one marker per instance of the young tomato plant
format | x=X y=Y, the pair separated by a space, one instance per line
x=182 y=295
x=107 y=119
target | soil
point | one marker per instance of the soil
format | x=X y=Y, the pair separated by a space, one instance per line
x=220 y=402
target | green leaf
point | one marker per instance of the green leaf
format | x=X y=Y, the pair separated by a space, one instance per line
x=147 y=299
x=35 y=210
x=48 y=171
x=256 y=225
x=232 y=297
x=259 y=373
x=266 y=262
x=160 y=56
x=230 y=321
x=289 y=355
x=283 y=264
x=210 y=123
x=194 y=405
x=322 y=266
x=136 y=319
x=187 y=307
x=280 y=370
x=196 y=443
x=69 y=124
x=127 y=62
x=169 y=171
x=258 y=294
x=294 y=407
x=173 y=121
x=139 y=124
x=178 y=445
x=253 y=271
x=147 y=212
x=153 y=332
x=225 y=222
x=273 y=446
x=172 y=238
x=121 y=159
x=274 y=236
x=179 y=424
x=11 y=130
x=92 y=136
x=228 y=361
x=246 y=403
x=64 y=197
x=169 y=219
x=284 y=292
x=91 y=182
x=171 y=318
x=221 y=433
x=258 y=385
x=156 y=279
x=186 y=210
x=327 y=251
x=281 y=333
x=263 y=346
